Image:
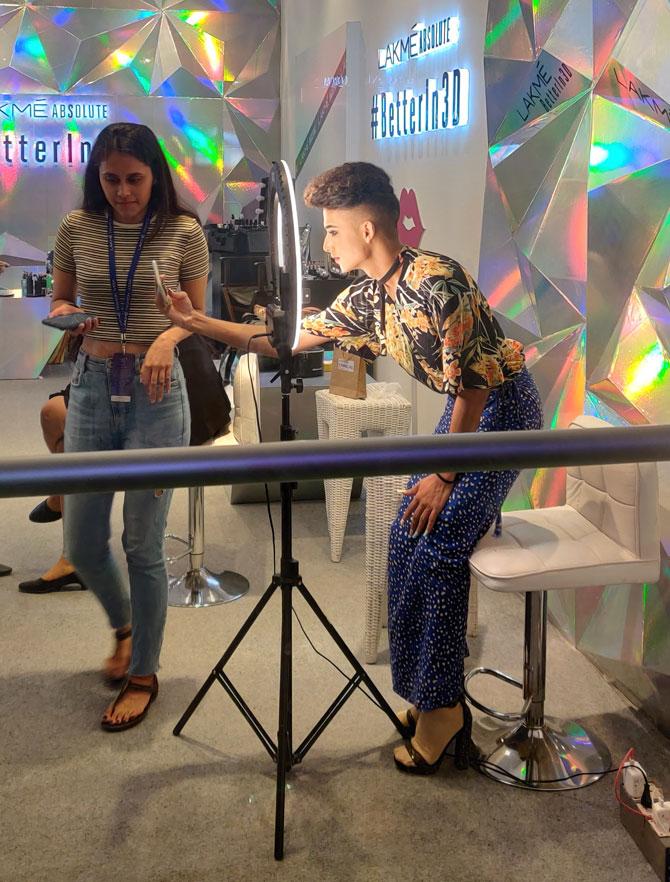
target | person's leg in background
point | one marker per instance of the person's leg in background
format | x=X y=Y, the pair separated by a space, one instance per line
x=62 y=574
x=52 y=420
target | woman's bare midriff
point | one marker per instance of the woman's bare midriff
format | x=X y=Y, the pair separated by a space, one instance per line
x=107 y=348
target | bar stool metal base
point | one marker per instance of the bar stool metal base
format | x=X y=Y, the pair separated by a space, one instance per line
x=533 y=751
x=536 y=757
x=200 y=588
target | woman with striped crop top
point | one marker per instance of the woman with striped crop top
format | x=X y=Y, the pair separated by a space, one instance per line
x=127 y=389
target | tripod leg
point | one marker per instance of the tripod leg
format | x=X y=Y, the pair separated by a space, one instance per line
x=363 y=675
x=239 y=637
x=284 y=745
x=186 y=716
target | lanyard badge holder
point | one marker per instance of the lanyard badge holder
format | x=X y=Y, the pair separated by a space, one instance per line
x=123 y=364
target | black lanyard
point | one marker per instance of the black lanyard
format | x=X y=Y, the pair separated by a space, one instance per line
x=123 y=309
x=382 y=289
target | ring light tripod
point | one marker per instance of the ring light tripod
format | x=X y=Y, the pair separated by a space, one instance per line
x=284 y=331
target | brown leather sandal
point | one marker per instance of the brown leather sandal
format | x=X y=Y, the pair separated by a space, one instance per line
x=121 y=634
x=129 y=686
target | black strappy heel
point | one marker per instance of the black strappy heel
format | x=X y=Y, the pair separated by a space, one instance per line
x=411 y=722
x=462 y=741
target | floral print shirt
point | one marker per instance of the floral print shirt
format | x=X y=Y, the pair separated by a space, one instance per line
x=437 y=326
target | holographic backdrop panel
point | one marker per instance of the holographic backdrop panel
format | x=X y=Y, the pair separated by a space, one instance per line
x=205 y=79
x=575 y=260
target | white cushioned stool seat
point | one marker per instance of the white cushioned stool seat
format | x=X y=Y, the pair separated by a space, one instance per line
x=607 y=533
x=552 y=549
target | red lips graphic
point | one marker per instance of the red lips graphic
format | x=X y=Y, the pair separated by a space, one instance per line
x=410 y=227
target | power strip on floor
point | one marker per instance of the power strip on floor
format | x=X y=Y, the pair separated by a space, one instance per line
x=645 y=834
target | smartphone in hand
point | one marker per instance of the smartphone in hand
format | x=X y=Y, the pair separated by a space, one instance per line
x=160 y=287
x=67 y=322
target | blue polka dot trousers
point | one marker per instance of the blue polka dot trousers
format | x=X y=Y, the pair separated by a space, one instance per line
x=429 y=577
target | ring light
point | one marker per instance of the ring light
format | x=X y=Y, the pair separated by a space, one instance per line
x=285 y=258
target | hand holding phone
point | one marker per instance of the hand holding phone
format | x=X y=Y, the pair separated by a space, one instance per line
x=68 y=321
x=160 y=287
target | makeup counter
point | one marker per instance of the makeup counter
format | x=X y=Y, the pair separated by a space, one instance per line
x=239 y=268
x=25 y=343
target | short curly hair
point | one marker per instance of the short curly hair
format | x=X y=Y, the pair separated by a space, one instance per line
x=353 y=184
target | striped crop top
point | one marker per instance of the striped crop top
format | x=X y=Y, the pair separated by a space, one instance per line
x=180 y=250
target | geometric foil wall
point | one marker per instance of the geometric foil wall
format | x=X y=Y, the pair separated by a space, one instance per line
x=206 y=79
x=575 y=260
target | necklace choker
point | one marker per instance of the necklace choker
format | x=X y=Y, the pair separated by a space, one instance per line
x=395 y=266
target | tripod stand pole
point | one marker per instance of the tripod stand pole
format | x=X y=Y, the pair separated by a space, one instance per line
x=284 y=732
x=288 y=580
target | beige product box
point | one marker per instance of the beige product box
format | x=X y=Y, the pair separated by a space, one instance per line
x=347 y=376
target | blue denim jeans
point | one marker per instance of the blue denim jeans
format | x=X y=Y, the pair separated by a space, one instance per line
x=94 y=422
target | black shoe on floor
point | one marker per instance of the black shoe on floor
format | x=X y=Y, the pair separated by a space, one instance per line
x=5 y=571
x=44 y=586
x=42 y=514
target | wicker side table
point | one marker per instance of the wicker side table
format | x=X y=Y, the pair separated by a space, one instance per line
x=381 y=506
x=384 y=412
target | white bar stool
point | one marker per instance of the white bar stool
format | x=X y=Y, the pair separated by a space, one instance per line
x=607 y=533
x=200 y=587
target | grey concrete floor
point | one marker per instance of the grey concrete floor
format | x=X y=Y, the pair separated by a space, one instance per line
x=80 y=805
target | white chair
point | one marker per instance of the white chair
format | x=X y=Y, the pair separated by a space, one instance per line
x=246 y=385
x=607 y=533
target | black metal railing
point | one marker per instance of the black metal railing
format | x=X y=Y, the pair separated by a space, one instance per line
x=300 y=460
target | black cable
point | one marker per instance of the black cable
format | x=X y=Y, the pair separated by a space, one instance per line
x=476 y=763
x=274 y=553
x=260 y=438
x=481 y=765
x=645 y=800
x=331 y=662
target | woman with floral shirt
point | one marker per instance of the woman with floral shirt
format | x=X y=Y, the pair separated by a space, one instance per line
x=427 y=313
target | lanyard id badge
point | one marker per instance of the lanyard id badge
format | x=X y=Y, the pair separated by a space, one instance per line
x=123 y=364
x=122 y=376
